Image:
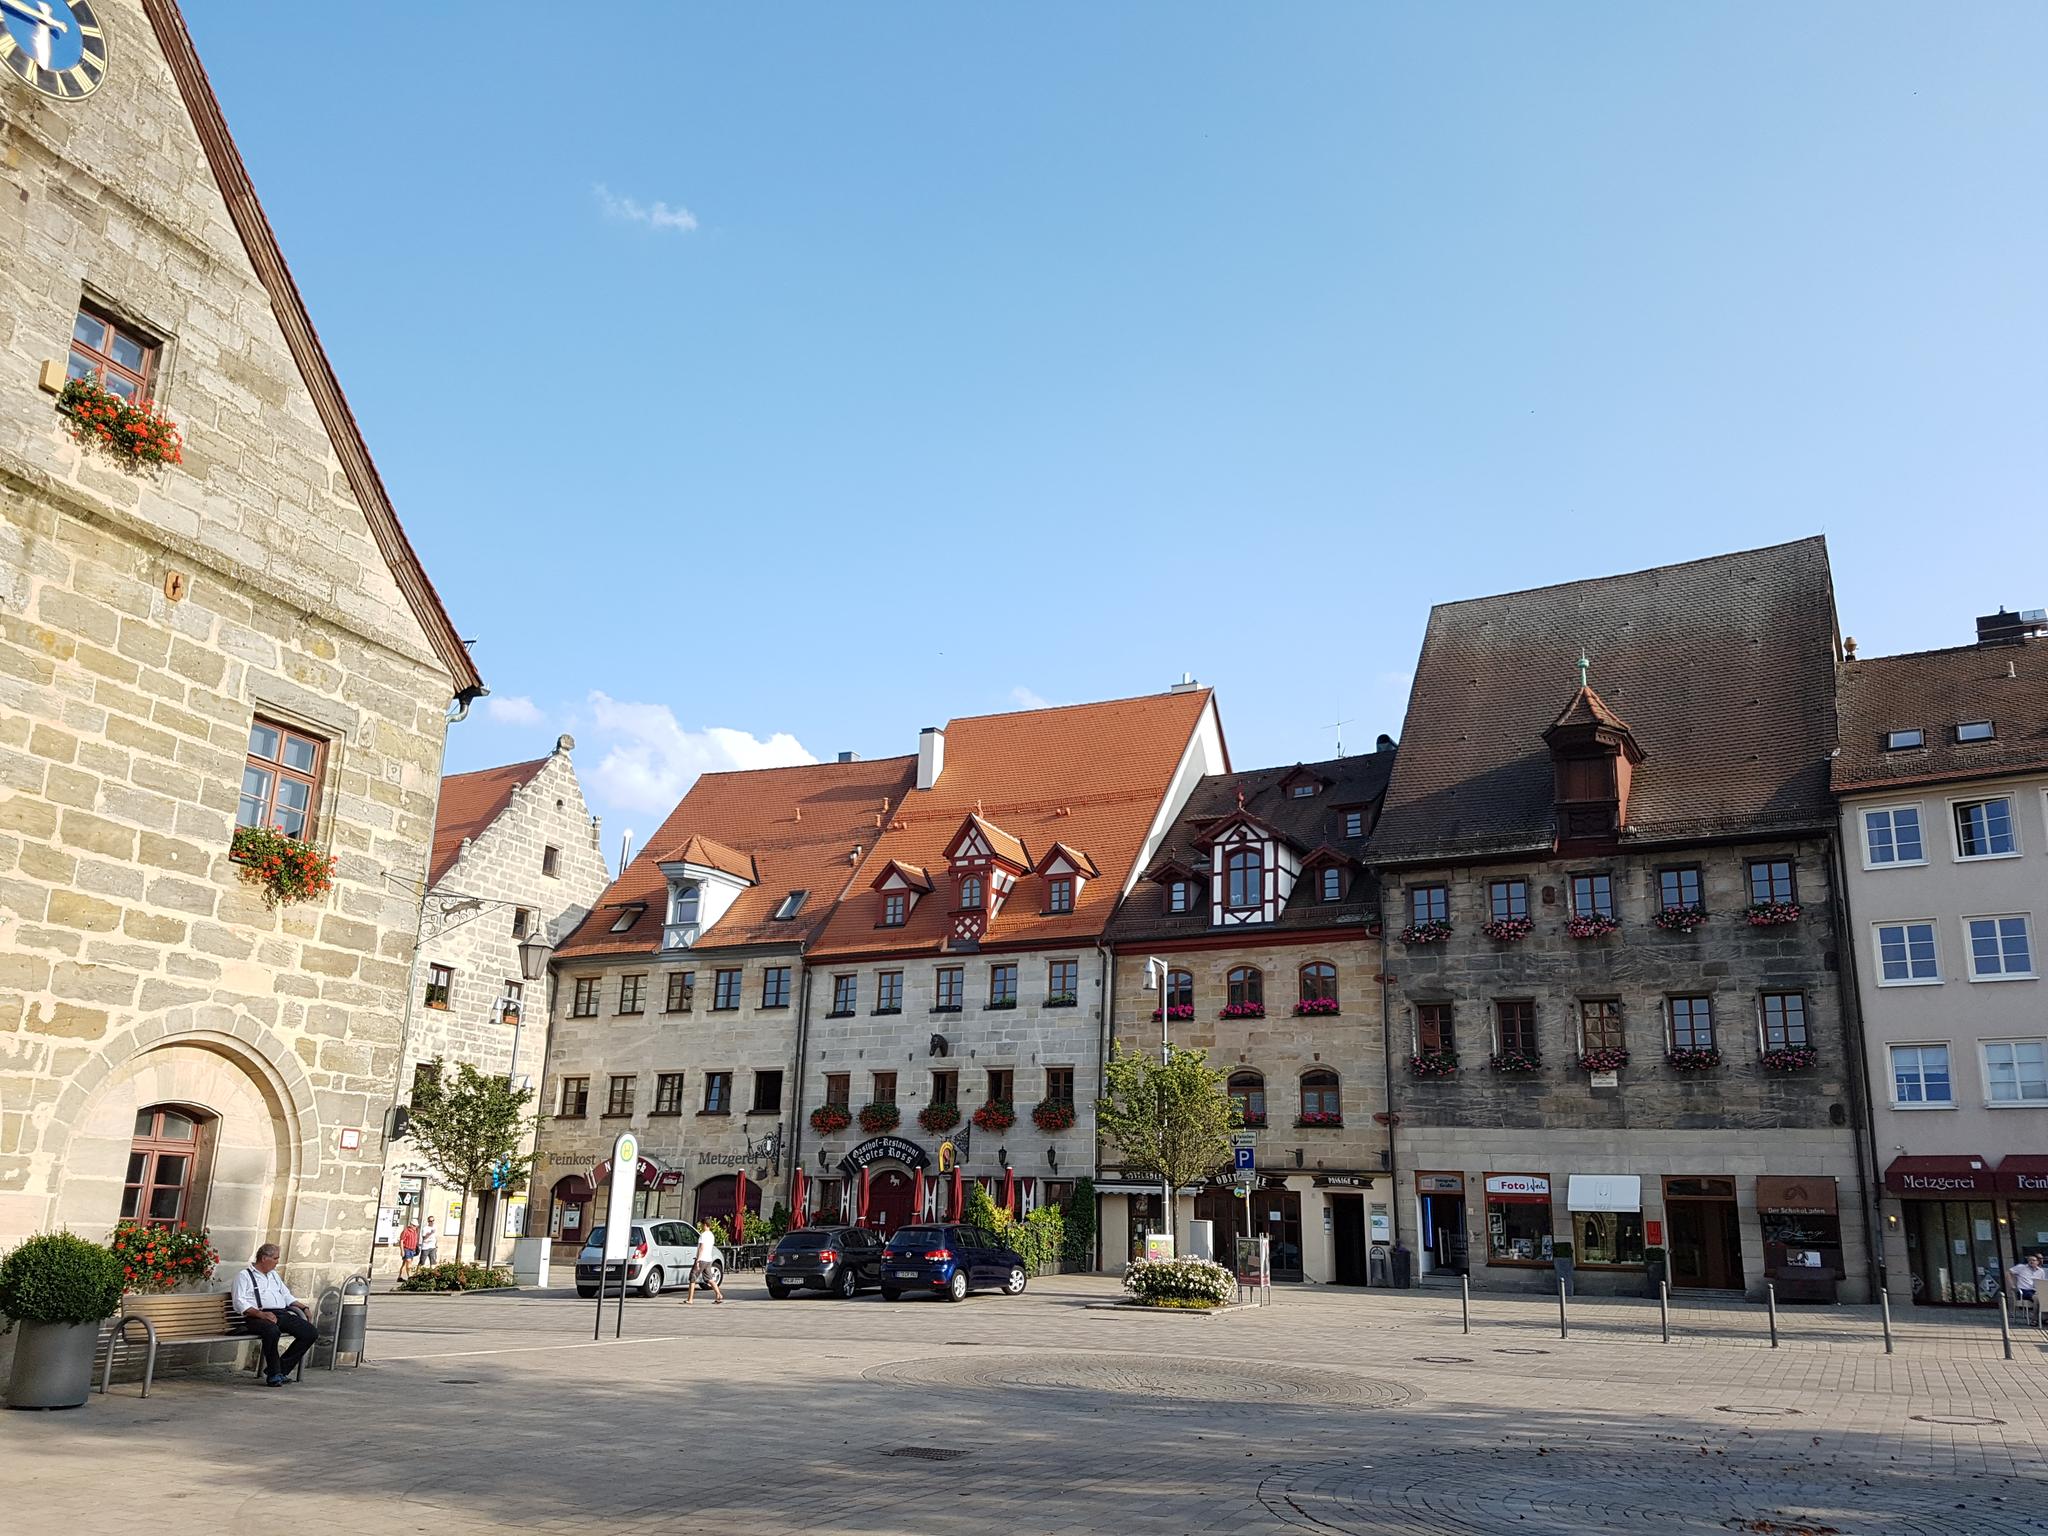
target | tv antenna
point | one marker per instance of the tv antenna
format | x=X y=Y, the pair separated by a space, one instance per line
x=1338 y=727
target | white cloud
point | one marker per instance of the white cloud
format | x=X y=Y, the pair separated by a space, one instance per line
x=1024 y=698
x=513 y=709
x=649 y=759
x=653 y=215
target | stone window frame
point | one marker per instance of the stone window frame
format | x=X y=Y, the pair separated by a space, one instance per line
x=153 y=1146
x=1245 y=984
x=1331 y=885
x=949 y=989
x=775 y=985
x=1771 y=888
x=573 y=1090
x=888 y=992
x=682 y=988
x=843 y=1081
x=620 y=1090
x=668 y=1094
x=1690 y=1007
x=845 y=990
x=632 y=995
x=1668 y=899
x=148 y=339
x=1005 y=973
x=882 y=1088
x=278 y=771
x=584 y=997
x=1328 y=983
x=1327 y=1084
x=1434 y=1024
x=770 y=1104
x=1618 y=1019
x=1177 y=994
x=1052 y=1087
x=1525 y=1025
x=1594 y=878
x=946 y=1086
x=727 y=988
x=1246 y=1088
x=1002 y=1084
x=1429 y=903
x=1500 y=899
x=1057 y=996
x=1763 y=1021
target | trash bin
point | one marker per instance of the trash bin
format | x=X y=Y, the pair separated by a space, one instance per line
x=1404 y=1265
x=352 y=1324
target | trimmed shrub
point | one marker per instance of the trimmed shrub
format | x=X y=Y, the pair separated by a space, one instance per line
x=59 y=1277
x=457 y=1277
x=1180 y=1282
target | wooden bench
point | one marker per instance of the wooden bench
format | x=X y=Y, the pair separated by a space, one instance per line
x=166 y=1321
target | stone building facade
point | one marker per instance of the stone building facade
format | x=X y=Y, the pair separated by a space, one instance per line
x=1943 y=778
x=966 y=976
x=1280 y=986
x=1614 y=938
x=242 y=636
x=516 y=855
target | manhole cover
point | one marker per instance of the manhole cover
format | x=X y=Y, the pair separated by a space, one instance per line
x=1445 y=1359
x=924 y=1453
x=1967 y=1420
x=1513 y=1351
x=1753 y=1411
x=1168 y=1380
x=459 y=1381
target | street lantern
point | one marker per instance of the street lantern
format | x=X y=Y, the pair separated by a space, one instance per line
x=533 y=953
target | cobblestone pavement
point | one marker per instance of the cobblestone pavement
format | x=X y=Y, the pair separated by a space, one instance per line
x=1329 y=1412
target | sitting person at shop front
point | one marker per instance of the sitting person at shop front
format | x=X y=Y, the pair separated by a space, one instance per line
x=263 y=1301
x=2027 y=1279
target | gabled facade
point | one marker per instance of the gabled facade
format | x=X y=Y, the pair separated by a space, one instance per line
x=959 y=1002
x=1943 y=778
x=680 y=1001
x=515 y=857
x=1614 y=934
x=242 y=636
x=1260 y=915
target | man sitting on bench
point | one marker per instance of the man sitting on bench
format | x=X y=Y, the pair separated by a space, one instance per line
x=267 y=1305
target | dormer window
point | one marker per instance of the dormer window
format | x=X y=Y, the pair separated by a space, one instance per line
x=1059 y=894
x=1354 y=823
x=895 y=908
x=1901 y=741
x=1975 y=730
x=1180 y=896
x=628 y=916
x=970 y=892
x=1333 y=885
x=1301 y=792
x=1244 y=874
x=790 y=905
x=683 y=902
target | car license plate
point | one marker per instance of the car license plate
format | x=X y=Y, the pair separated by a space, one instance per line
x=906 y=1274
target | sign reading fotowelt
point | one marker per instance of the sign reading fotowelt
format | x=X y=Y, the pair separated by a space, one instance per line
x=618 y=1206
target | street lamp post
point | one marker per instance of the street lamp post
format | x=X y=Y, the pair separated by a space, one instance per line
x=1155 y=981
x=534 y=951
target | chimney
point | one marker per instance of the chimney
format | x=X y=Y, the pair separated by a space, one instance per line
x=1187 y=684
x=2003 y=628
x=849 y=757
x=1384 y=744
x=931 y=755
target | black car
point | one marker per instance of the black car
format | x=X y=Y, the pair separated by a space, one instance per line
x=836 y=1259
x=949 y=1261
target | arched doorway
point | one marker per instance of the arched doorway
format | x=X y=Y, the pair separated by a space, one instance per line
x=891 y=1198
x=166 y=1181
x=715 y=1200
x=569 y=1209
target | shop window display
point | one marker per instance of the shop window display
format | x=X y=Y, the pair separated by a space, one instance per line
x=1607 y=1237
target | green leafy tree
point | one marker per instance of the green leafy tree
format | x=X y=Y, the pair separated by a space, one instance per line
x=469 y=1130
x=1080 y=1222
x=1170 y=1119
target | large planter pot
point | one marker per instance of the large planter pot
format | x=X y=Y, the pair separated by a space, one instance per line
x=52 y=1365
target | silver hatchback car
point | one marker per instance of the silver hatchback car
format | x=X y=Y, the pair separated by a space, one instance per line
x=658 y=1254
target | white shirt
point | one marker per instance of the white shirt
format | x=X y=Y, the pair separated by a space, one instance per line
x=253 y=1288
x=2028 y=1277
x=707 y=1247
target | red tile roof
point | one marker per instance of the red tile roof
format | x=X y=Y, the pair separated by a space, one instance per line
x=470 y=802
x=710 y=853
x=795 y=828
x=1934 y=692
x=1089 y=775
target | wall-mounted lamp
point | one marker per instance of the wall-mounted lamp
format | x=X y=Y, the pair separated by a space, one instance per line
x=1003 y=1156
x=1052 y=1158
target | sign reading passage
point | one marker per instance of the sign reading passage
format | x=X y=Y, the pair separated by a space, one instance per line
x=618 y=1206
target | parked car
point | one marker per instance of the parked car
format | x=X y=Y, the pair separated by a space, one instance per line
x=949 y=1261
x=658 y=1254
x=836 y=1259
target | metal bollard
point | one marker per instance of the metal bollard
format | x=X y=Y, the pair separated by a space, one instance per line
x=1771 y=1301
x=1563 y=1327
x=2004 y=1326
x=1465 y=1287
x=1884 y=1301
x=1664 y=1308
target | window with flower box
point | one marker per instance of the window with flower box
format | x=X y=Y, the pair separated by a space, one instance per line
x=888 y=992
x=1692 y=1023
x=1434 y=1035
x=725 y=990
x=838 y=1087
x=1429 y=904
x=1002 y=985
x=119 y=355
x=1784 y=1016
x=1247 y=1091
x=951 y=990
x=1321 y=1099
x=945 y=1087
x=440 y=985
x=281 y=779
x=1770 y=882
x=162 y=1158
x=1002 y=1082
x=1679 y=886
x=630 y=989
x=845 y=996
x=1180 y=989
x=1600 y=1027
x=1593 y=895
x=1059 y=1083
x=1062 y=983
x=1319 y=982
x=1507 y=900
x=1514 y=1026
x=1245 y=985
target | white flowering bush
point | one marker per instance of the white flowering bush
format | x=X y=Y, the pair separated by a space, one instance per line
x=1180 y=1282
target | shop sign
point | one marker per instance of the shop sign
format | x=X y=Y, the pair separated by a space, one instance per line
x=1604 y=1192
x=1518 y=1186
x=881 y=1148
x=646 y=1173
x=766 y=1150
x=2024 y=1174
x=1791 y=1195
x=1343 y=1181
x=1440 y=1183
x=1937 y=1176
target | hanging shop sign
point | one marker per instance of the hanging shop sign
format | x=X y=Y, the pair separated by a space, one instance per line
x=1518 y=1186
x=1343 y=1181
x=1604 y=1192
x=882 y=1149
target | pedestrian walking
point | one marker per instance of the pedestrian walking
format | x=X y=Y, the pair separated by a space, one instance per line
x=704 y=1268
x=408 y=1247
x=430 y=1245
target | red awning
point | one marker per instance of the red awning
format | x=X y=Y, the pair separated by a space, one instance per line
x=1938 y=1177
x=2024 y=1173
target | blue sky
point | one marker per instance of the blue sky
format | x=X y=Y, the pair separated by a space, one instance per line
x=768 y=380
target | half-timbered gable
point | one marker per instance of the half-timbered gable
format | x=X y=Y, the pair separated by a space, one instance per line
x=985 y=863
x=1254 y=868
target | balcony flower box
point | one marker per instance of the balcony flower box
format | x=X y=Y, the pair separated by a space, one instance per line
x=1770 y=914
x=829 y=1119
x=1316 y=1008
x=1312 y=1118
x=1693 y=1058
x=996 y=1115
x=132 y=431
x=1001 y=1004
x=939 y=1118
x=1062 y=1000
x=286 y=869
x=1797 y=1058
x=1179 y=1013
x=1593 y=925
x=1054 y=1115
x=1509 y=930
x=1433 y=1064
x=1680 y=919
x=1513 y=1063
x=879 y=1119
x=1243 y=1011
x=1251 y=1122
x=1435 y=931
x=1605 y=1059
x=945 y=1008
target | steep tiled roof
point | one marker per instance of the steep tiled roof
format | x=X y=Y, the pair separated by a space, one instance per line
x=710 y=853
x=1723 y=668
x=794 y=829
x=470 y=802
x=1588 y=708
x=1089 y=775
x=1934 y=691
x=1306 y=825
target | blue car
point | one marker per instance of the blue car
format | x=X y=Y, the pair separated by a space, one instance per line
x=949 y=1261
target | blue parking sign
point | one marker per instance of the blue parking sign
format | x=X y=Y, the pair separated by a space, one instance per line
x=1246 y=1159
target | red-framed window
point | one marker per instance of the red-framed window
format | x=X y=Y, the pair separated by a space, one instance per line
x=162 y=1160
x=121 y=357
x=1245 y=984
x=281 y=779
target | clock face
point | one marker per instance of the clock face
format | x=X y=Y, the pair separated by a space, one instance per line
x=57 y=46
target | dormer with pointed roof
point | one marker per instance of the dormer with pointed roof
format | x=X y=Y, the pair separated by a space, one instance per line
x=900 y=888
x=1593 y=756
x=986 y=861
x=705 y=878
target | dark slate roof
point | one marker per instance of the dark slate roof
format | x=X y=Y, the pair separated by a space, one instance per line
x=1934 y=691
x=1723 y=669
x=1308 y=825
